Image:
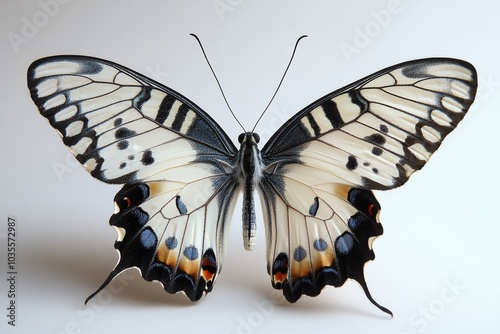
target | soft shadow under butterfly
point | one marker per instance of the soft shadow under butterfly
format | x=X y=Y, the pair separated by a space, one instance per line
x=182 y=174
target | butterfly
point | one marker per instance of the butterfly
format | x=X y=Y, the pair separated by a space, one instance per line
x=182 y=174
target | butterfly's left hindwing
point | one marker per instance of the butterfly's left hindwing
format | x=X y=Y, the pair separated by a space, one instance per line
x=172 y=157
x=321 y=216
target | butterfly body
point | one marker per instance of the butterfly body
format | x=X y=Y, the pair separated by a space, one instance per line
x=250 y=168
x=181 y=173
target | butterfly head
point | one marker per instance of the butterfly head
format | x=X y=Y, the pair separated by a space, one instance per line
x=248 y=138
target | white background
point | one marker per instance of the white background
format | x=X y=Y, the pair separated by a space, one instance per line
x=436 y=265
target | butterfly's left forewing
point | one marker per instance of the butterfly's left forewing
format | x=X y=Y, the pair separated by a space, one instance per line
x=173 y=159
x=321 y=216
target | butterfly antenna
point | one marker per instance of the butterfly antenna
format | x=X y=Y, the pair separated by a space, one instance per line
x=281 y=81
x=218 y=83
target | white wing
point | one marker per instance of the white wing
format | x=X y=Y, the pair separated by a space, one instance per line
x=321 y=215
x=172 y=157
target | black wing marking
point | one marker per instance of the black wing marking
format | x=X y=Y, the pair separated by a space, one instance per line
x=377 y=131
x=174 y=160
x=111 y=117
x=321 y=216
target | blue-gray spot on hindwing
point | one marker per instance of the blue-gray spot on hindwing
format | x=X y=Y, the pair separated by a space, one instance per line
x=299 y=254
x=314 y=207
x=171 y=243
x=180 y=205
x=320 y=245
x=191 y=252
x=344 y=244
x=148 y=238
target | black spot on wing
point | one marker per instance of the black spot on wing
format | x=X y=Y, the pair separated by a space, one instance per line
x=375 y=138
x=123 y=133
x=123 y=144
x=352 y=163
x=377 y=151
x=147 y=158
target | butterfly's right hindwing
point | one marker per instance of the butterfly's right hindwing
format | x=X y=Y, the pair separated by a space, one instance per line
x=174 y=160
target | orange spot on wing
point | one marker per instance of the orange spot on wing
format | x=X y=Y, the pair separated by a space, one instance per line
x=208 y=269
x=370 y=209
x=279 y=277
x=207 y=275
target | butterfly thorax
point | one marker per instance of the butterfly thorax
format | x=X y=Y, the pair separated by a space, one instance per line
x=249 y=172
